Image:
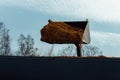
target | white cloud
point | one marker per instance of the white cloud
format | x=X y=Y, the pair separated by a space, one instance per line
x=106 y=39
x=108 y=42
x=105 y=10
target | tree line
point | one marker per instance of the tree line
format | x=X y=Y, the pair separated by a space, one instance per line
x=25 y=43
x=26 y=46
x=87 y=50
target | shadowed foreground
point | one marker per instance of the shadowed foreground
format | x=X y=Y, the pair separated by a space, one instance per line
x=63 y=68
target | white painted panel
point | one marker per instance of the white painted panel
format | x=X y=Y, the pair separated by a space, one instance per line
x=86 y=35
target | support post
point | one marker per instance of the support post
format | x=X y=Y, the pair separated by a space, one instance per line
x=79 y=54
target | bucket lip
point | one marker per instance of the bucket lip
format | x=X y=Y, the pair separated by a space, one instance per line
x=77 y=24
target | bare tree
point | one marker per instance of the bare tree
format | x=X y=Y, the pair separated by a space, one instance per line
x=4 y=40
x=90 y=50
x=87 y=50
x=67 y=51
x=26 y=46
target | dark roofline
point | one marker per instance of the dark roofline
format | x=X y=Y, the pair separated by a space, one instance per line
x=74 y=21
x=79 y=24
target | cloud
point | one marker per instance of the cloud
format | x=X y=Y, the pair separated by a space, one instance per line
x=105 y=10
x=105 y=38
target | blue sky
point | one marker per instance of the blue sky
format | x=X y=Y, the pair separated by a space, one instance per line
x=29 y=16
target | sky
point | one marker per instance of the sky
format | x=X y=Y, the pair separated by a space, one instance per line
x=30 y=16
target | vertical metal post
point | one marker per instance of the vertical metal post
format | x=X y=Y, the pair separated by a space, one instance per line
x=79 y=54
